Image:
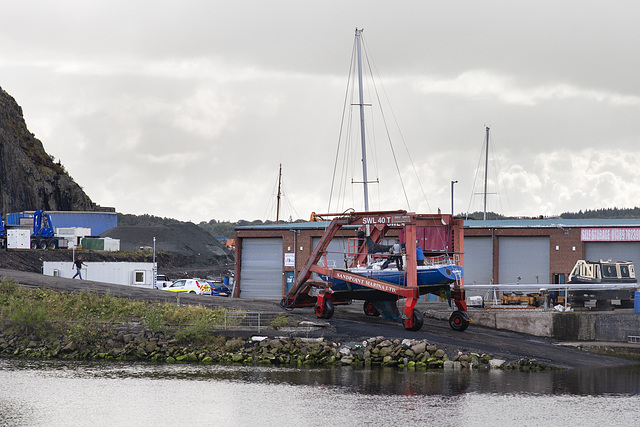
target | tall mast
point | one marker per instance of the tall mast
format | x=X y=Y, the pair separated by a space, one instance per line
x=278 y=198
x=364 y=148
x=486 y=166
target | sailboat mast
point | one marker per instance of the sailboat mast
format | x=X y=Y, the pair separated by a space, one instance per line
x=362 y=139
x=278 y=197
x=486 y=167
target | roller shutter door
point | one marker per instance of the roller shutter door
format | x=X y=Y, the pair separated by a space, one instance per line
x=615 y=251
x=524 y=257
x=336 y=250
x=261 y=269
x=478 y=260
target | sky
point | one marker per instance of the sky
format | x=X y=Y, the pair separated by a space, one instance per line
x=186 y=109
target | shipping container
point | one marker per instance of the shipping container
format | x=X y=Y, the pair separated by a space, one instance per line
x=119 y=273
x=101 y=244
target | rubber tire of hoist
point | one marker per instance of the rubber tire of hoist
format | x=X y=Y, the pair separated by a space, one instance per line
x=459 y=321
x=43 y=244
x=418 y=321
x=328 y=309
x=52 y=244
x=325 y=312
x=370 y=309
x=34 y=244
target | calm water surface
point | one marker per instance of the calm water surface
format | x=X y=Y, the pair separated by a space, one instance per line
x=56 y=393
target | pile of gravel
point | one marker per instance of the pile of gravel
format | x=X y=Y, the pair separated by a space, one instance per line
x=185 y=239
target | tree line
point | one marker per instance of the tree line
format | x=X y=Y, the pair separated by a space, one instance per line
x=227 y=228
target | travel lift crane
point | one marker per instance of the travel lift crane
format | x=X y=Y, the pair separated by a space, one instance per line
x=306 y=292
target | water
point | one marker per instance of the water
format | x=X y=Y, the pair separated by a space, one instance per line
x=58 y=393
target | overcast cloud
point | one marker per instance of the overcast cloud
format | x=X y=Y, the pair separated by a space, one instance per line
x=185 y=109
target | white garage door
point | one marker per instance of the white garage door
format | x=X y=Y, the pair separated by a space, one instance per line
x=614 y=251
x=261 y=268
x=524 y=257
x=478 y=260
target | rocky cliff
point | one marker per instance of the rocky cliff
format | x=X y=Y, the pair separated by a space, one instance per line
x=29 y=177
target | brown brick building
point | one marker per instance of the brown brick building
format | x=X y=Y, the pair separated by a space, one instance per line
x=503 y=251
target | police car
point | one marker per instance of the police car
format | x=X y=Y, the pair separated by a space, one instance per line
x=192 y=286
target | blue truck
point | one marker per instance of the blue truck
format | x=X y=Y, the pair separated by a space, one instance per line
x=42 y=233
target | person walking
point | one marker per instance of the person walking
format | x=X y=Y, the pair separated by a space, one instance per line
x=78 y=263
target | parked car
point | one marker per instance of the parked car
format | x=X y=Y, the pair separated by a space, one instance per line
x=162 y=281
x=192 y=286
x=218 y=289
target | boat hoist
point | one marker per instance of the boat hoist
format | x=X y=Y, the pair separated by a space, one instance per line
x=363 y=278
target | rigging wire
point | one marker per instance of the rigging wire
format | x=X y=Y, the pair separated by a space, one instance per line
x=344 y=108
x=384 y=120
x=498 y=181
x=348 y=130
x=271 y=208
x=475 y=178
x=495 y=176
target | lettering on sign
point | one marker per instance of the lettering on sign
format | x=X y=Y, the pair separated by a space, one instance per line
x=610 y=234
x=392 y=220
x=363 y=281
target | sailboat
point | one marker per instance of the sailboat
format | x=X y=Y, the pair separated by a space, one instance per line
x=420 y=262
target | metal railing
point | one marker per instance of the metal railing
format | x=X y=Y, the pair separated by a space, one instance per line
x=247 y=320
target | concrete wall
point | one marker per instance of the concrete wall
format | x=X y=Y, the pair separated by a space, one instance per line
x=609 y=326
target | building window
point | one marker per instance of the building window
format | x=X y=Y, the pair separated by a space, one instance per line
x=138 y=277
x=558 y=278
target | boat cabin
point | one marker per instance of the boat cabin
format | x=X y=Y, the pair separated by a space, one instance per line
x=603 y=272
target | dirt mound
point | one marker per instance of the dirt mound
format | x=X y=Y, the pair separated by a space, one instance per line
x=189 y=247
x=185 y=238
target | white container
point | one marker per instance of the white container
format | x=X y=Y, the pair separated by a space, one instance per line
x=18 y=238
x=111 y=245
x=73 y=234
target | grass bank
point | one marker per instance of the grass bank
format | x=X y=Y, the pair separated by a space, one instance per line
x=45 y=313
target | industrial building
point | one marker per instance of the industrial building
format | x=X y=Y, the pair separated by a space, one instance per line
x=499 y=251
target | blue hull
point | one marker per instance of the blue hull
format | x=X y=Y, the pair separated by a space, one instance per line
x=430 y=278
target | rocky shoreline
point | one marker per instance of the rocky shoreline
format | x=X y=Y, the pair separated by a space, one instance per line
x=133 y=343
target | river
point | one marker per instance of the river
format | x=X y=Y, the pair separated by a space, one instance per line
x=64 y=393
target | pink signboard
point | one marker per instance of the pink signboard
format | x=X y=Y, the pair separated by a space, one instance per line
x=610 y=234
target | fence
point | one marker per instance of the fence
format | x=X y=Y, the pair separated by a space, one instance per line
x=248 y=321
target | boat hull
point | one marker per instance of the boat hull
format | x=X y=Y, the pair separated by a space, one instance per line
x=431 y=279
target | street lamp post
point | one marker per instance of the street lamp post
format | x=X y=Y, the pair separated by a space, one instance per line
x=155 y=267
x=452 y=182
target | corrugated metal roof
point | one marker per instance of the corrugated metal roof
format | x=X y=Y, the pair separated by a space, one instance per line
x=288 y=226
x=502 y=223
x=552 y=222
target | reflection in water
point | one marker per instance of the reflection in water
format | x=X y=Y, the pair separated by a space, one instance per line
x=81 y=393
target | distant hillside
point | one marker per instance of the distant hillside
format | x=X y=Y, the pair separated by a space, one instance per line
x=30 y=179
x=214 y=227
x=605 y=213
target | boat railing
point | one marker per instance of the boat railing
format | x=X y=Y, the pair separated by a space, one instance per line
x=441 y=260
